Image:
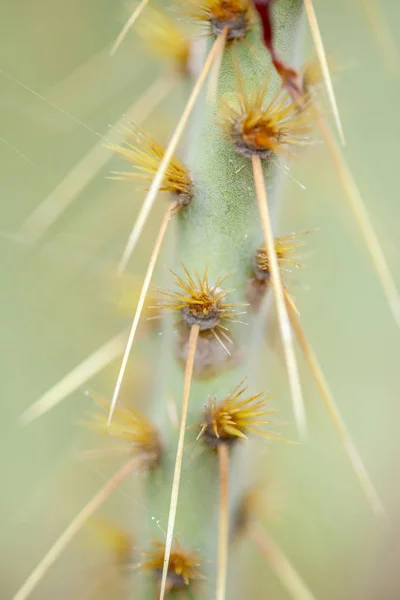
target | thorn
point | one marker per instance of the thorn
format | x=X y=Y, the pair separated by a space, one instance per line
x=61 y=197
x=130 y=22
x=284 y=323
x=362 y=218
x=284 y=570
x=383 y=35
x=75 y=378
x=194 y=334
x=74 y=527
x=221 y=342
x=212 y=88
x=223 y=525
x=344 y=436
x=139 y=308
x=319 y=46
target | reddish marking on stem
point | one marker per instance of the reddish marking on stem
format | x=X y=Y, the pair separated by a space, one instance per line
x=289 y=76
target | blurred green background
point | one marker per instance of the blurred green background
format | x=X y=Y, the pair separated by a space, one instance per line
x=60 y=298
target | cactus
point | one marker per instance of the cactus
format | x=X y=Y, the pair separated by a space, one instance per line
x=254 y=105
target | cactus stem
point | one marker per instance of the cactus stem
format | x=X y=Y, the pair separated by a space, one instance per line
x=130 y=22
x=157 y=181
x=277 y=560
x=284 y=323
x=75 y=526
x=355 y=460
x=357 y=206
x=194 y=334
x=223 y=525
x=319 y=46
x=145 y=287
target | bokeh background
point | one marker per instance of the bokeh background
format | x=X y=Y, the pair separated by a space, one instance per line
x=60 y=94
